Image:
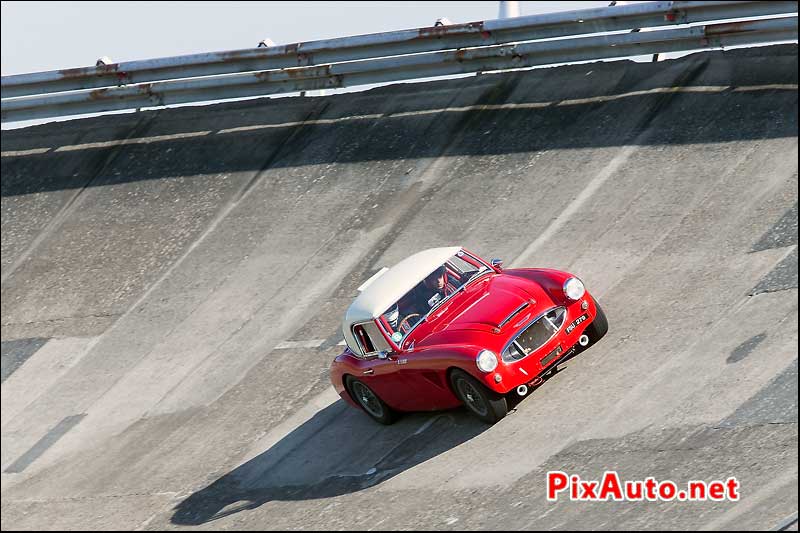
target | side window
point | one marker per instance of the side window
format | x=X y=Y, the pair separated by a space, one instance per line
x=370 y=339
x=363 y=340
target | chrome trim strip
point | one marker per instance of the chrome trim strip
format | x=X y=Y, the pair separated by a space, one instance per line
x=514 y=313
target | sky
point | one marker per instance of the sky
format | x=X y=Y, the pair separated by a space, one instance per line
x=39 y=36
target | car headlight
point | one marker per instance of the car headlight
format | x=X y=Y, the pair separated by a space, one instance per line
x=486 y=361
x=574 y=289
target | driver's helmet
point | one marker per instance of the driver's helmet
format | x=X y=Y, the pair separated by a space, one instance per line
x=392 y=315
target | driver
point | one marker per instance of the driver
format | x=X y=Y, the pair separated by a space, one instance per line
x=433 y=289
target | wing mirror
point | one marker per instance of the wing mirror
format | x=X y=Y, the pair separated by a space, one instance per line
x=497 y=263
x=383 y=355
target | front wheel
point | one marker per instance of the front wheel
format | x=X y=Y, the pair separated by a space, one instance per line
x=599 y=326
x=480 y=401
x=370 y=402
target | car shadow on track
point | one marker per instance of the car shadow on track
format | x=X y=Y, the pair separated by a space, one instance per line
x=338 y=451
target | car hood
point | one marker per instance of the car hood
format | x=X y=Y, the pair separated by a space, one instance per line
x=498 y=304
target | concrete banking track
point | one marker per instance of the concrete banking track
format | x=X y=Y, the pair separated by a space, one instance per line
x=173 y=282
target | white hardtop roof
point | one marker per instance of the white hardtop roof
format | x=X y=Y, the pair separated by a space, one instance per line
x=393 y=284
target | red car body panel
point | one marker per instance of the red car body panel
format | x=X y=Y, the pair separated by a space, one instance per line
x=415 y=377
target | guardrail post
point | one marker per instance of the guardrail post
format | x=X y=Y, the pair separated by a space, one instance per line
x=508 y=10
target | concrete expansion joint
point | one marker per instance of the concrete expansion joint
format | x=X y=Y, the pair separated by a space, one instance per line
x=665 y=449
x=61 y=319
x=770 y=291
x=789 y=248
x=90 y=497
x=763 y=424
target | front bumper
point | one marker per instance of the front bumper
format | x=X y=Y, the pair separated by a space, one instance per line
x=530 y=368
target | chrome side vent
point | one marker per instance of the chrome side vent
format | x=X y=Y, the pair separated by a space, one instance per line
x=510 y=317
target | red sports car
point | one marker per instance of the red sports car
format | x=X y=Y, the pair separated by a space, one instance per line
x=444 y=328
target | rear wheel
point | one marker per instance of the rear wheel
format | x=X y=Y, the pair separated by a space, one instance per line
x=370 y=402
x=480 y=401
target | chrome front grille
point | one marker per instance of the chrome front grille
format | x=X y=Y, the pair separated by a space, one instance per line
x=535 y=335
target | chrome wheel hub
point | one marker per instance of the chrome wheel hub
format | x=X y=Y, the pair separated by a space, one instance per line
x=472 y=398
x=368 y=400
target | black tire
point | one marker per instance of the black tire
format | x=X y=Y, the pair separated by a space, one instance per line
x=599 y=326
x=485 y=404
x=370 y=402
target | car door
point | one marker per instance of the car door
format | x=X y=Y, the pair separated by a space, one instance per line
x=379 y=366
x=424 y=375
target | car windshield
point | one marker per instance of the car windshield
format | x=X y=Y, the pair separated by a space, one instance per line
x=438 y=287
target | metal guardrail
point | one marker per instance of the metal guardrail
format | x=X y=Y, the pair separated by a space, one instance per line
x=392 y=56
